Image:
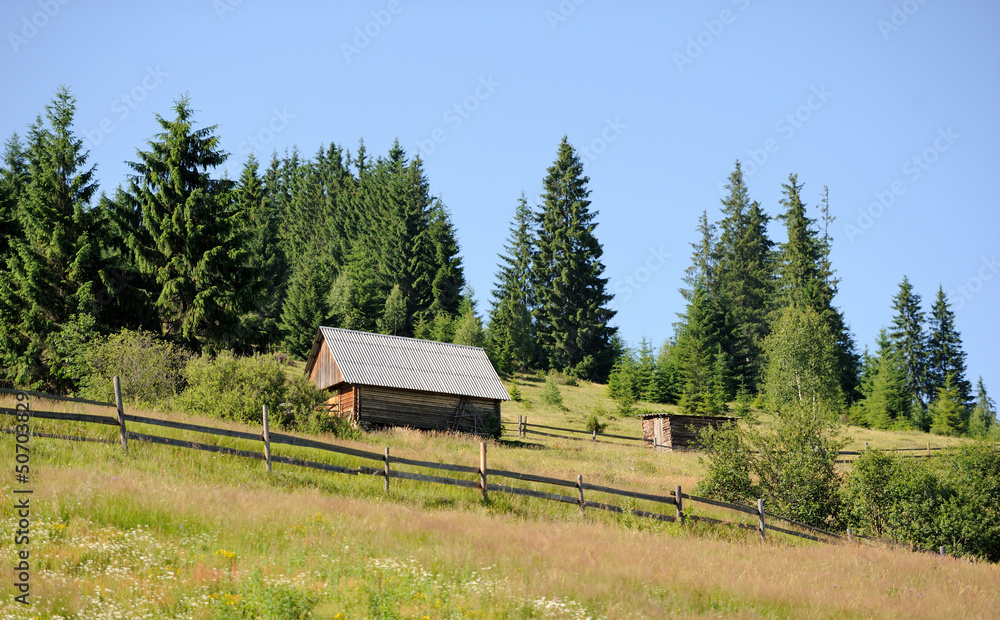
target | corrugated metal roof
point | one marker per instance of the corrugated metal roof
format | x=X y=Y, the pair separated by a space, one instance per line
x=365 y=358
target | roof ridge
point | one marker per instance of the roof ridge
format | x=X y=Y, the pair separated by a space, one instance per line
x=436 y=342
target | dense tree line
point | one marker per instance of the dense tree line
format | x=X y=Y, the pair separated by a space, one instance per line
x=213 y=264
x=210 y=263
x=760 y=320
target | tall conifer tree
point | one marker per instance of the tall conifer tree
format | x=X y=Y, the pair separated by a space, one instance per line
x=571 y=315
x=806 y=276
x=945 y=355
x=910 y=342
x=54 y=268
x=511 y=342
x=744 y=280
x=190 y=239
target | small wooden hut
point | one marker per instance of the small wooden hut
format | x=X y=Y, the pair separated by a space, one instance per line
x=378 y=381
x=673 y=431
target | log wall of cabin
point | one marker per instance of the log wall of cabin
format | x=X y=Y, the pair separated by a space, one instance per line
x=379 y=406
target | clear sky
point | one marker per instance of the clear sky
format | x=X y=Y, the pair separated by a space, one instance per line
x=891 y=104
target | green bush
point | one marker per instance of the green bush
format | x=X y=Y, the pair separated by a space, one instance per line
x=594 y=424
x=791 y=466
x=952 y=501
x=149 y=368
x=235 y=388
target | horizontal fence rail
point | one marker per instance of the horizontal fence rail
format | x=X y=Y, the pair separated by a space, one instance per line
x=387 y=468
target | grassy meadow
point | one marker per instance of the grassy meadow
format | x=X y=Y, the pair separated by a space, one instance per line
x=164 y=532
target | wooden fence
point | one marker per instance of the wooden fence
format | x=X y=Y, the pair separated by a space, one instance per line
x=523 y=429
x=386 y=464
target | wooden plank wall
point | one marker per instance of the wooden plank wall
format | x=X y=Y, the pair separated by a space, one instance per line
x=341 y=400
x=325 y=373
x=381 y=406
x=684 y=429
x=679 y=431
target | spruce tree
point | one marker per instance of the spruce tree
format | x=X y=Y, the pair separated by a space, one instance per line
x=985 y=410
x=744 y=280
x=449 y=277
x=886 y=399
x=668 y=379
x=910 y=342
x=511 y=341
x=53 y=267
x=806 y=276
x=945 y=355
x=646 y=372
x=191 y=238
x=948 y=413
x=699 y=341
x=306 y=305
x=258 y=218
x=571 y=316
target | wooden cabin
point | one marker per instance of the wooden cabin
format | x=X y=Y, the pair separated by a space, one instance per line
x=673 y=431
x=378 y=381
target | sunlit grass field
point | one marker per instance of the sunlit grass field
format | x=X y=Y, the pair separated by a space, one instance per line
x=161 y=532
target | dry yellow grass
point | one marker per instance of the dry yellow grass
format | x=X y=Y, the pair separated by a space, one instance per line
x=612 y=571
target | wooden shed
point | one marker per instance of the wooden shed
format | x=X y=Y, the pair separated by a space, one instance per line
x=379 y=381
x=673 y=431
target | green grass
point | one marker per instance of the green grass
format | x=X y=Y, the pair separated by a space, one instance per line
x=165 y=532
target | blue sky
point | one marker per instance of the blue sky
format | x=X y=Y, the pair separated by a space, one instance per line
x=892 y=105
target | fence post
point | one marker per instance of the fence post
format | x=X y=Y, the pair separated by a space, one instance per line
x=579 y=488
x=482 y=468
x=525 y=427
x=928 y=448
x=267 y=442
x=849 y=537
x=679 y=502
x=760 y=511
x=121 y=413
x=385 y=469
x=941 y=550
x=595 y=436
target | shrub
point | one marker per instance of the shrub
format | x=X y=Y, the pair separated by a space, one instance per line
x=235 y=388
x=791 y=466
x=514 y=391
x=149 y=368
x=594 y=424
x=551 y=396
x=953 y=501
